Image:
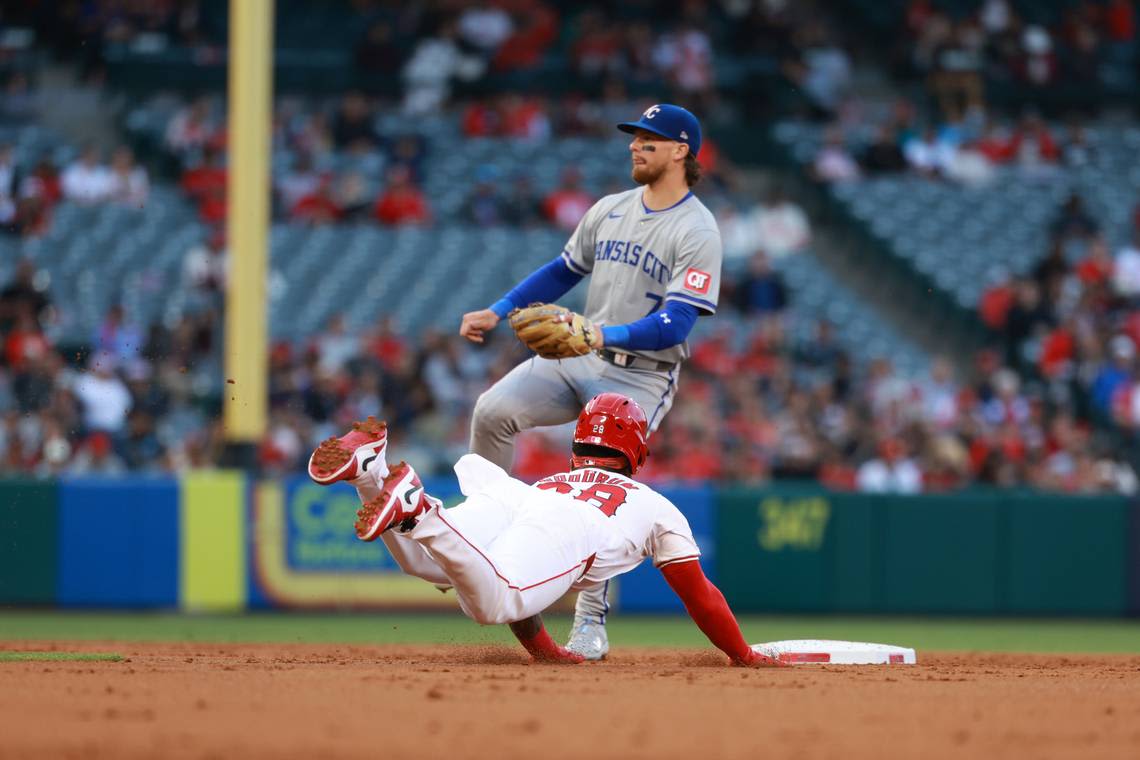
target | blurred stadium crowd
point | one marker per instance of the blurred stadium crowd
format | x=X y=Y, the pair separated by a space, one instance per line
x=1049 y=403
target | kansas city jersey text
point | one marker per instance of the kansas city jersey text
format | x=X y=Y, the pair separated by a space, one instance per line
x=638 y=258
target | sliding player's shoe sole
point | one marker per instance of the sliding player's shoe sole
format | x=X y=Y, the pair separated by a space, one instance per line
x=358 y=451
x=401 y=498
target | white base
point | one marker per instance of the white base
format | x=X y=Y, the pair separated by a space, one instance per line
x=824 y=652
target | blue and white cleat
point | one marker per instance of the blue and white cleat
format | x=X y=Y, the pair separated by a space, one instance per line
x=588 y=638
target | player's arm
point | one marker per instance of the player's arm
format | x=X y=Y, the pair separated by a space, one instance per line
x=709 y=610
x=545 y=285
x=696 y=272
x=692 y=291
x=661 y=329
x=532 y=634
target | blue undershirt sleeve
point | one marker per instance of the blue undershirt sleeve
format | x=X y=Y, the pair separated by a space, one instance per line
x=546 y=284
x=659 y=330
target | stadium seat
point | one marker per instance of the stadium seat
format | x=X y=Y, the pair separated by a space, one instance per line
x=929 y=225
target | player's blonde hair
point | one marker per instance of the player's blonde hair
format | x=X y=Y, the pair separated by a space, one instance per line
x=693 y=170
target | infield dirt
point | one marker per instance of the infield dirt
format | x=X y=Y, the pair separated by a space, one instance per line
x=305 y=701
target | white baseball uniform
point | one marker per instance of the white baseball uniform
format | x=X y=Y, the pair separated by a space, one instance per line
x=511 y=550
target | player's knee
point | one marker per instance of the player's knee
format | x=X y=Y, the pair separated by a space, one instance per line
x=492 y=411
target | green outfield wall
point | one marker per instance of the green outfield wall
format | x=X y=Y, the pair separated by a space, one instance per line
x=984 y=552
x=29 y=542
x=215 y=541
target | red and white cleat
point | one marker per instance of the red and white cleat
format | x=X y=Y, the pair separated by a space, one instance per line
x=402 y=497
x=354 y=453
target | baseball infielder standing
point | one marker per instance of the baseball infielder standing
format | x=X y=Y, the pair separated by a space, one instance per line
x=654 y=259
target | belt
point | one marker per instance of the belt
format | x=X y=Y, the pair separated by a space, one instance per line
x=629 y=361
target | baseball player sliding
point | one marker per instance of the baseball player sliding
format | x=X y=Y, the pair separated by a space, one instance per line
x=654 y=258
x=511 y=550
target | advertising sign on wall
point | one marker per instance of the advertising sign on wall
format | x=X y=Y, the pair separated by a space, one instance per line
x=305 y=554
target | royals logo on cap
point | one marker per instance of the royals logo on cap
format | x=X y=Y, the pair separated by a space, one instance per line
x=669 y=121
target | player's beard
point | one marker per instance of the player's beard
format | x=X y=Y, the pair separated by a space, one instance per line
x=645 y=174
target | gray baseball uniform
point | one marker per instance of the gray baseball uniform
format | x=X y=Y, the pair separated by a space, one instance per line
x=636 y=259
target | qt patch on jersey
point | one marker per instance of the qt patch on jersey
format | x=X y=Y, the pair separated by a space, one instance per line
x=697 y=281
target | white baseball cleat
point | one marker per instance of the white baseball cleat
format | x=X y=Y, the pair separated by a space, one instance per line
x=588 y=638
x=401 y=498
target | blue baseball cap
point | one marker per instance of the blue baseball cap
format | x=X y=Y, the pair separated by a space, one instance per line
x=671 y=122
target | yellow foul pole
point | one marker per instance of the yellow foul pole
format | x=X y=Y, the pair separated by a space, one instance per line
x=250 y=94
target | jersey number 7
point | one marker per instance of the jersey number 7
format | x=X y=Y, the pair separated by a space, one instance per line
x=604 y=496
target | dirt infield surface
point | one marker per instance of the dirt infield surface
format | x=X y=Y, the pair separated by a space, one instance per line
x=306 y=701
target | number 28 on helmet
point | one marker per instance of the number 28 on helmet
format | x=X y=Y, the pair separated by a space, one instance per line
x=615 y=422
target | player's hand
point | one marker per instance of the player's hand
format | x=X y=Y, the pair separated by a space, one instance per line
x=475 y=323
x=533 y=636
x=754 y=659
x=561 y=656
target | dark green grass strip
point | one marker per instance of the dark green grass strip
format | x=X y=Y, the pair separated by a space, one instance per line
x=59 y=656
x=959 y=634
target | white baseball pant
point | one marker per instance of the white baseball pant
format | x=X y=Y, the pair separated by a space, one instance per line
x=508 y=558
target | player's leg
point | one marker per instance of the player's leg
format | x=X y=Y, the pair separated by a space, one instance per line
x=534 y=394
x=413 y=559
x=359 y=458
x=588 y=635
x=653 y=391
x=481 y=520
x=518 y=573
x=390 y=513
x=409 y=555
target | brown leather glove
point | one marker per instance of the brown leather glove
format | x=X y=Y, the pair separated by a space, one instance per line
x=555 y=332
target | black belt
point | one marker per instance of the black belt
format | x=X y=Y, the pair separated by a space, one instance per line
x=629 y=361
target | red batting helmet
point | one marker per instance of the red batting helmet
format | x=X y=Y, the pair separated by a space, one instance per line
x=615 y=422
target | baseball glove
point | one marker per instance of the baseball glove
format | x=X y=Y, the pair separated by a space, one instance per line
x=555 y=332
